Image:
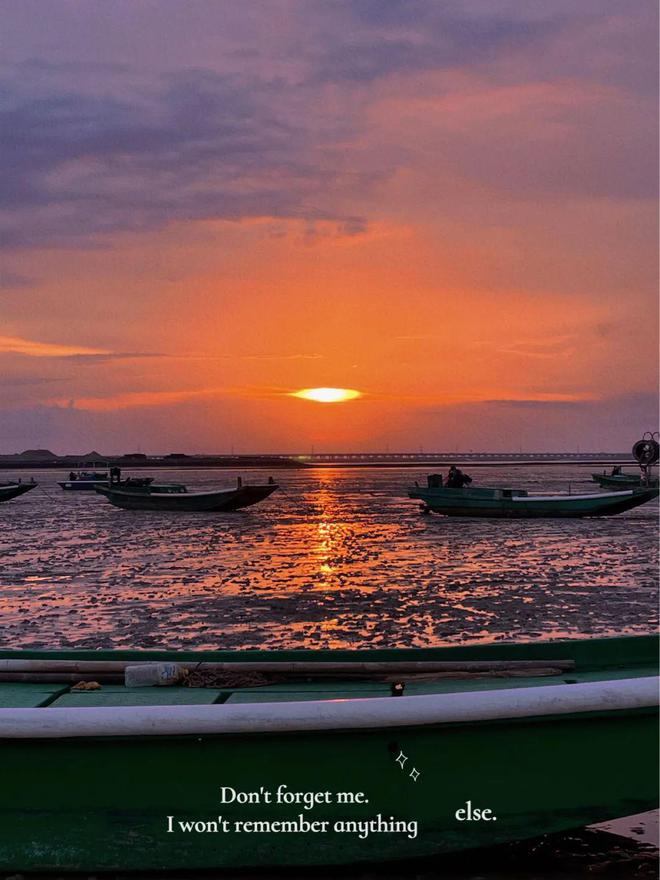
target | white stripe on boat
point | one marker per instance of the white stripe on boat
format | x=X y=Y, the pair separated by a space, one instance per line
x=207 y=492
x=590 y=495
x=371 y=712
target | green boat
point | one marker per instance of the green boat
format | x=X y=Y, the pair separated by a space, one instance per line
x=142 y=493
x=623 y=481
x=518 y=503
x=487 y=744
x=13 y=490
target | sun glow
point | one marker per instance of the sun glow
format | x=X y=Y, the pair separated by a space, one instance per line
x=327 y=395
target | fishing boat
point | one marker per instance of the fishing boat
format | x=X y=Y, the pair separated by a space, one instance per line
x=646 y=453
x=84 y=481
x=623 y=480
x=13 y=490
x=518 y=503
x=393 y=753
x=143 y=494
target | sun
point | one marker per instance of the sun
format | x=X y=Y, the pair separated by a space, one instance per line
x=327 y=395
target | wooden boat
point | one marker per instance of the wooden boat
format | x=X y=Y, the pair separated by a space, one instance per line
x=84 y=481
x=509 y=503
x=13 y=490
x=622 y=481
x=546 y=736
x=143 y=494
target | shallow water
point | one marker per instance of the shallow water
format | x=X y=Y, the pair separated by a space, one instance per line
x=338 y=558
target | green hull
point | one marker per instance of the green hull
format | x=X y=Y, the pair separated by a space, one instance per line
x=102 y=802
x=494 y=503
x=188 y=502
x=622 y=481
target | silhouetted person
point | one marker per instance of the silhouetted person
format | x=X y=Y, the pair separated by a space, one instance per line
x=456 y=479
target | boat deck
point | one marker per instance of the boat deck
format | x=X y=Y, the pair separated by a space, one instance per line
x=53 y=696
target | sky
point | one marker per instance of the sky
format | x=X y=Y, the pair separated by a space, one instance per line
x=206 y=207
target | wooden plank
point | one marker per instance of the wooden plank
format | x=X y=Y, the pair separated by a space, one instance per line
x=24 y=696
x=149 y=696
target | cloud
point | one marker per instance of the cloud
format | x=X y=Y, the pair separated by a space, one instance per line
x=410 y=37
x=192 y=145
x=290 y=130
x=551 y=347
x=28 y=381
x=16 y=345
x=268 y=357
x=522 y=399
x=139 y=399
x=14 y=280
x=539 y=403
x=135 y=399
x=80 y=353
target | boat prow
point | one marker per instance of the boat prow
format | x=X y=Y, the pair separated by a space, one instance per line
x=13 y=490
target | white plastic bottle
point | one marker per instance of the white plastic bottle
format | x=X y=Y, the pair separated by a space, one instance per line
x=153 y=674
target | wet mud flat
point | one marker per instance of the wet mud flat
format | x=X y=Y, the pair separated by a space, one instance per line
x=337 y=558
x=570 y=856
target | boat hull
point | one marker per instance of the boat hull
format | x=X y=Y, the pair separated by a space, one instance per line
x=13 y=490
x=81 y=485
x=457 y=502
x=209 y=502
x=622 y=481
x=90 y=803
x=104 y=804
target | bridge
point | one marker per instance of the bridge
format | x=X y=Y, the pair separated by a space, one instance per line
x=317 y=459
x=400 y=459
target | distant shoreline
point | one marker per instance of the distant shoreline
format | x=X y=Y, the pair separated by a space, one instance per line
x=69 y=463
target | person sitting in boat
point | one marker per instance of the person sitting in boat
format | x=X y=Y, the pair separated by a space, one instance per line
x=73 y=476
x=456 y=479
x=616 y=470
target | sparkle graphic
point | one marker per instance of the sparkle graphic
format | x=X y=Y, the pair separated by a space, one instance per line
x=414 y=774
x=401 y=759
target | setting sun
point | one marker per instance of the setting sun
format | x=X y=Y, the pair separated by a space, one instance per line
x=327 y=395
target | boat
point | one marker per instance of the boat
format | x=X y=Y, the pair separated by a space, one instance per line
x=394 y=759
x=143 y=494
x=623 y=480
x=13 y=490
x=646 y=453
x=518 y=503
x=81 y=481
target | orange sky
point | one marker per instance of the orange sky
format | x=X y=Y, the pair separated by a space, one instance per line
x=453 y=212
